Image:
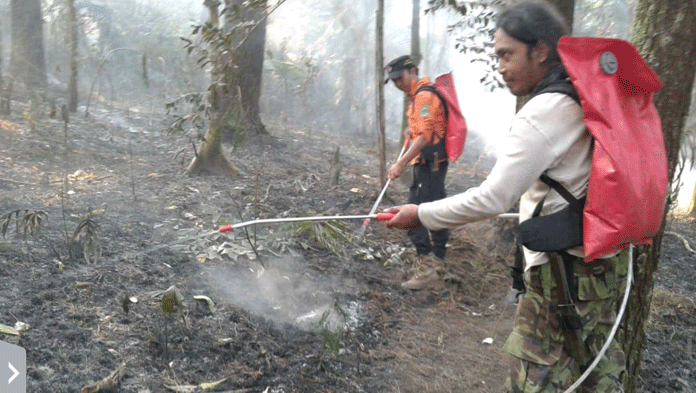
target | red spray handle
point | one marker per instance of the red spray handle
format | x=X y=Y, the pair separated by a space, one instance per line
x=385 y=216
x=379 y=217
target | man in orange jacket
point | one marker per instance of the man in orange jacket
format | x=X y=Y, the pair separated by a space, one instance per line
x=427 y=123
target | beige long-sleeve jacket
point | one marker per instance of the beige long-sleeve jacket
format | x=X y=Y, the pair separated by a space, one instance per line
x=548 y=135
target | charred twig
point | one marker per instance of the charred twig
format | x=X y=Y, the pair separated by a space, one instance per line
x=195 y=149
x=91 y=179
x=50 y=244
x=683 y=240
x=257 y=181
x=65 y=114
x=17 y=183
x=132 y=176
x=265 y=197
x=107 y=384
x=253 y=248
x=246 y=233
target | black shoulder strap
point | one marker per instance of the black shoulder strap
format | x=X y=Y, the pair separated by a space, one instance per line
x=573 y=201
x=432 y=89
x=557 y=81
x=559 y=189
x=562 y=87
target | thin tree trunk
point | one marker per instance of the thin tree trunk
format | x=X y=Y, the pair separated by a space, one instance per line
x=4 y=88
x=346 y=100
x=690 y=149
x=692 y=206
x=567 y=10
x=415 y=33
x=27 y=61
x=1 y=57
x=72 y=42
x=379 y=72
x=249 y=61
x=209 y=158
x=416 y=56
x=663 y=32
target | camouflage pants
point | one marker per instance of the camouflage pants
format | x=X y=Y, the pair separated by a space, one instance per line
x=541 y=360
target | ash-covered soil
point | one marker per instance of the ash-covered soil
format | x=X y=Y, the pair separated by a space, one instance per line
x=295 y=308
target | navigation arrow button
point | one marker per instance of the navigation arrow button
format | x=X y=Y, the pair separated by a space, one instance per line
x=14 y=371
x=13 y=378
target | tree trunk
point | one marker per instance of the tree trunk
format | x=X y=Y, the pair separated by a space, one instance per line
x=691 y=212
x=346 y=99
x=72 y=67
x=417 y=56
x=345 y=104
x=567 y=10
x=209 y=158
x=5 y=88
x=379 y=72
x=415 y=33
x=689 y=149
x=1 y=53
x=249 y=61
x=27 y=59
x=663 y=32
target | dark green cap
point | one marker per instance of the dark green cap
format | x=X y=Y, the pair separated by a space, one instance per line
x=397 y=66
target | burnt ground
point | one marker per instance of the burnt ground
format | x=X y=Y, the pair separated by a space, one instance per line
x=317 y=310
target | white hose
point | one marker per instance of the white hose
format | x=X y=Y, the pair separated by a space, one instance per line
x=600 y=355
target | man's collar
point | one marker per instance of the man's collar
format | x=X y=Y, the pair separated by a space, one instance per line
x=556 y=74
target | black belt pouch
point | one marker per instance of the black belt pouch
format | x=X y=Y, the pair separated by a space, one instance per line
x=554 y=232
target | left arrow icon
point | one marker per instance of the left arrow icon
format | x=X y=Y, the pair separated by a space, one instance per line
x=15 y=373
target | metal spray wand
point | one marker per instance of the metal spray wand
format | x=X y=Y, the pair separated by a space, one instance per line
x=379 y=217
x=381 y=194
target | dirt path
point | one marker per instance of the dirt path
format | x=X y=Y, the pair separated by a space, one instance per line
x=266 y=332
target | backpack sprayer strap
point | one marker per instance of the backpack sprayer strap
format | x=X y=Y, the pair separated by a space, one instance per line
x=432 y=89
x=517 y=273
x=443 y=103
x=572 y=200
x=560 y=189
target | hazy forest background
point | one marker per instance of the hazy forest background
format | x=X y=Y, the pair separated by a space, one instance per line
x=325 y=69
x=226 y=88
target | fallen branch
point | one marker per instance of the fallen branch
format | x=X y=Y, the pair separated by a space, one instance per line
x=18 y=183
x=198 y=388
x=107 y=384
x=683 y=239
